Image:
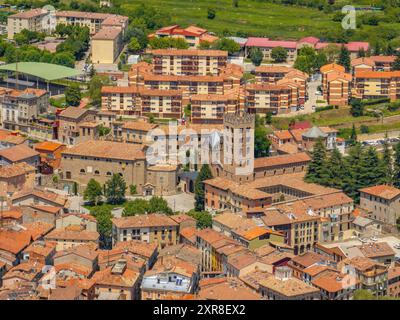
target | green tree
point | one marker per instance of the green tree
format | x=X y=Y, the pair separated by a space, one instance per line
x=103 y=131
x=344 y=58
x=336 y=170
x=356 y=108
x=135 y=207
x=133 y=189
x=261 y=142
x=203 y=218
x=353 y=136
x=371 y=168
x=211 y=13
x=73 y=95
x=256 y=56
x=199 y=193
x=268 y=117
x=95 y=85
x=115 y=189
x=159 y=205
x=396 y=164
x=316 y=170
x=93 y=192
x=279 y=54
x=65 y=59
x=103 y=216
x=226 y=45
x=396 y=63
x=387 y=161
x=134 y=45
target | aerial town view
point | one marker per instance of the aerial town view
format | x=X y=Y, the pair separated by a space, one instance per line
x=200 y=150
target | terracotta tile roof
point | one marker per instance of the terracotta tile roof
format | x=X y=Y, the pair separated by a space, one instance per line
x=225 y=289
x=83 y=235
x=106 y=278
x=139 y=126
x=393 y=272
x=210 y=236
x=334 y=281
x=47 y=146
x=14 y=241
x=189 y=233
x=29 y=14
x=377 y=74
x=264 y=250
x=309 y=258
x=291 y=287
x=107 y=33
x=314 y=270
x=183 y=252
x=38 y=229
x=383 y=59
x=79 y=215
x=41 y=248
x=242 y=259
x=143 y=221
x=332 y=67
x=85 y=251
x=26 y=271
x=355 y=46
x=233 y=220
x=310 y=40
x=49 y=196
x=78 y=269
x=250 y=234
x=273 y=69
x=276 y=257
x=107 y=149
x=175 y=265
x=15 y=170
x=382 y=191
x=137 y=247
x=18 y=153
x=362 y=263
x=80 y=14
x=376 y=250
x=179 y=218
x=281 y=160
x=283 y=134
x=73 y=112
x=333 y=76
x=8 y=137
x=13 y=213
x=288 y=148
x=189 y=52
x=68 y=293
x=363 y=60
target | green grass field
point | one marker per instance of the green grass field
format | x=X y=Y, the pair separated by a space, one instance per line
x=253 y=17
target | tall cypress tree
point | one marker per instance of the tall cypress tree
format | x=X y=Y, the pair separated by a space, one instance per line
x=344 y=58
x=199 y=195
x=351 y=182
x=372 y=170
x=353 y=136
x=396 y=175
x=387 y=160
x=316 y=170
x=336 y=170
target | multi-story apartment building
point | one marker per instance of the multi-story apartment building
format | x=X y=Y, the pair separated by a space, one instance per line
x=141 y=101
x=210 y=108
x=266 y=46
x=382 y=203
x=142 y=74
x=20 y=108
x=32 y=20
x=150 y=228
x=372 y=63
x=372 y=275
x=377 y=84
x=336 y=84
x=264 y=98
x=76 y=125
x=189 y=62
x=106 y=45
x=93 y=20
x=192 y=34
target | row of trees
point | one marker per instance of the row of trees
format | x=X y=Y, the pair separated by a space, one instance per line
x=362 y=167
x=114 y=190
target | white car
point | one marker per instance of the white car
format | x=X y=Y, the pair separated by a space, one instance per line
x=397 y=246
x=363 y=240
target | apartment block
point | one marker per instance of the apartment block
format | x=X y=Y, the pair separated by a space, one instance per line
x=19 y=108
x=266 y=46
x=377 y=84
x=264 y=98
x=106 y=45
x=141 y=101
x=150 y=228
x=382 y=203
x=189 y=62
x=210 y=108
x=32 y=20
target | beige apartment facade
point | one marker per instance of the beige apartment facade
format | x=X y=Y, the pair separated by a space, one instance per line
x=189 y=62
x=32 y=20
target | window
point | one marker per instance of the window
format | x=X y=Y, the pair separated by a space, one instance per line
x=96 y=172
x=82 y=171
x=108 y=173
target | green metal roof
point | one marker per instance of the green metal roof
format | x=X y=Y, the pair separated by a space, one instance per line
x=42 y=70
